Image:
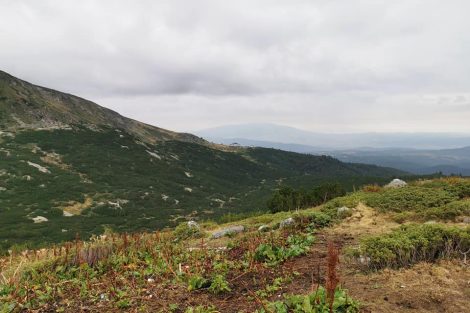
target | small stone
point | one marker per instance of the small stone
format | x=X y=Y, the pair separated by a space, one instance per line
x=342 y=210
x=39 y=219
x=364 y=260
x=193 y=224
x=263 y=228
x=228 y=231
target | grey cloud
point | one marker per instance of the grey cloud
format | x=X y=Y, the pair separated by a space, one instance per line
x=268 y=61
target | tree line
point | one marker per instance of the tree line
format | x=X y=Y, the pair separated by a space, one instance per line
x=288 y=198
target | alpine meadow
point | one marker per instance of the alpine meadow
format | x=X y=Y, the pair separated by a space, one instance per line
x=262 y=156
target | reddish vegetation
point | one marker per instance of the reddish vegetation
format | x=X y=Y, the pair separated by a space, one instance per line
x=332 y=279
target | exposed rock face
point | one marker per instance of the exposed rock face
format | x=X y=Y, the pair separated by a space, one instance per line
x=396 y=183
x=228 y=231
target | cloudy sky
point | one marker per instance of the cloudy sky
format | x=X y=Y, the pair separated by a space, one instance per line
x=326 y=65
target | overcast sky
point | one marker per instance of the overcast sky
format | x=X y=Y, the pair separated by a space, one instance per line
x=327 y=65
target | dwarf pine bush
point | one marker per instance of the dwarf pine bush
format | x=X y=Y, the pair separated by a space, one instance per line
x=414 y=243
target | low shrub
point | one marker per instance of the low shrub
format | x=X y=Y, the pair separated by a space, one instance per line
x=219 y=284
x=273 y=254
x=316 y=302
x=351 y=201
x=184 y=231
x=319 y=220
x=413 y=243
x=411 y=198
x=372 y=188
x=449 y=211
x=198 y=282
x=201 y=309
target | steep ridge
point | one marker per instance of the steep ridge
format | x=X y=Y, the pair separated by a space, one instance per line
x=27 y=106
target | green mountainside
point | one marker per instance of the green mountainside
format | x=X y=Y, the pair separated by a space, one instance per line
x=69 y=166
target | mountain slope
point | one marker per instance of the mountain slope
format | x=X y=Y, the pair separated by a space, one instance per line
x=447 y=161
x=70 y=167
x=27 y=106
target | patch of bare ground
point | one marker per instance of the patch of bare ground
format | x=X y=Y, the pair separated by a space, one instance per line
x=364 y=221
x=442 y=287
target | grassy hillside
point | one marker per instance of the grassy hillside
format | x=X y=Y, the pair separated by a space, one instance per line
x=69 y=166
x=83 y=181
x=384 y=265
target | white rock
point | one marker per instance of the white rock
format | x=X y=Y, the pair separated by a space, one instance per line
x=40 y=168
x=287 y=222
x=193 y=224
x=228 y=231
x=154 y=154
x=263 y=228
x=396 y=183
x=39 y=219
x=364 y=260
x=188 y=174
x=188 y=189
x=342 y=210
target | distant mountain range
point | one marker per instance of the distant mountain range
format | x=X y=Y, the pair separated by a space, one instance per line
x=280 y=134
x=417 y=153
x=68 y=166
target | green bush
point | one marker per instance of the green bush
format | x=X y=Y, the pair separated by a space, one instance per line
x=414 y=243
x=219 y=284
x=198 y=282
x=319 y=220
x=273 y=254
x=316 y=302
x=351 y=201
x=449 y=211
x=201 y=309
x=411 y=198
x=184 y=231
